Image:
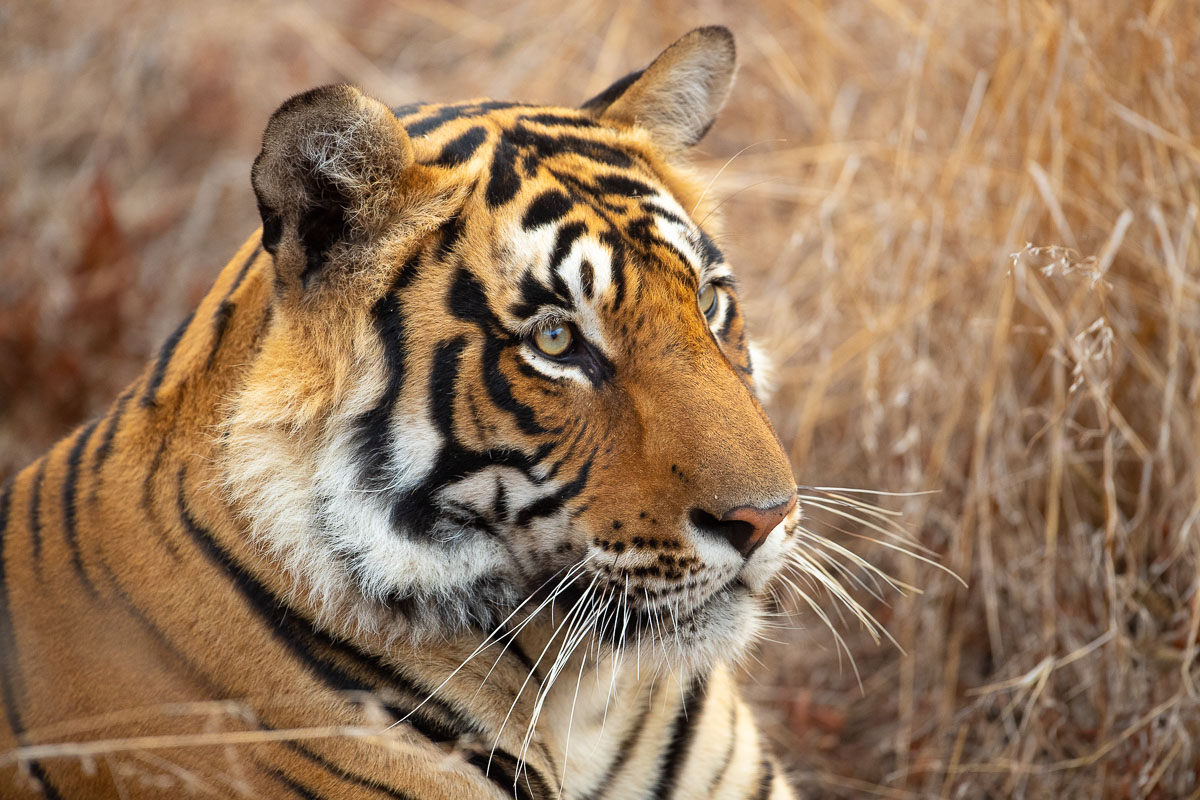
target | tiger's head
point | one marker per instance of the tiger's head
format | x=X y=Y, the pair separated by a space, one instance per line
x=505 y=361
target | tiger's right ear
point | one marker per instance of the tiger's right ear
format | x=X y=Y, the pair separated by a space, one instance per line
x=327 y=178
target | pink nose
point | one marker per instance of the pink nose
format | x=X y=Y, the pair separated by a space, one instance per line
x=745 y=527
x=757 y=524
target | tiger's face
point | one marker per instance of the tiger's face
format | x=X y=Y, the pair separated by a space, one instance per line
x=507 y=367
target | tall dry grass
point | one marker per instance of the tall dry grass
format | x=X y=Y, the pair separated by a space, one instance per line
x=967 y=230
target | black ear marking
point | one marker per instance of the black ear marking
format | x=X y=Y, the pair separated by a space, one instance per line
x=272 y=226
x=322 y=226
x=609 y=96
x=328 y=174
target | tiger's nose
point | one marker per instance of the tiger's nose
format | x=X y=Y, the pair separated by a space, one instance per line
x=745 y=527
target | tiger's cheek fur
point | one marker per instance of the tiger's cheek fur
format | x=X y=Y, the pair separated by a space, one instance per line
x=316 y=457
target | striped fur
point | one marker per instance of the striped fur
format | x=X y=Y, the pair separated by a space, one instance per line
x=353 y=535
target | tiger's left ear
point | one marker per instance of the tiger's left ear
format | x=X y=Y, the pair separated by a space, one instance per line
x=329 y=175
x=677 y=97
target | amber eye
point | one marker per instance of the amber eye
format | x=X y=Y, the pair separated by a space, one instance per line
x=553 y=339
x=707 y=298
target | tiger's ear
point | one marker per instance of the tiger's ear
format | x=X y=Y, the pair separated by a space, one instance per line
x=678 y=96
x=327 y=177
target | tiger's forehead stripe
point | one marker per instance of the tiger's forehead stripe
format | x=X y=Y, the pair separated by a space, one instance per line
x=528 y=147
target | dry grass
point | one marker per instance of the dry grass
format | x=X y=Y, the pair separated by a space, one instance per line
x=968 y=230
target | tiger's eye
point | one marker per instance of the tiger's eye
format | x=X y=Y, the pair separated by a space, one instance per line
x=707 y=298
x=553 y=339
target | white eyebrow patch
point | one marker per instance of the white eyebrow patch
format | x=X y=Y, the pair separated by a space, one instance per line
x=677 y=230
x=599 y=258
x=529 y=249
x=533 y=250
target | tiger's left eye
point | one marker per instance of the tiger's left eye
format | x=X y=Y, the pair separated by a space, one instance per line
x=553 y=339
x=707 y=298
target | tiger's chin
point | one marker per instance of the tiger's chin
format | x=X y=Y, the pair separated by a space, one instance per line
x=721 y=629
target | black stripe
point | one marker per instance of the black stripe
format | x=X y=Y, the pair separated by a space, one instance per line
x=150 y=508
x=729 y=317
x=35 y=510
x=451 y=231
x=241 y=276
x=538 y=146
x=560 y=120
x=503 y=183
x=709 y=253
x=8 y=634
x=70 y=504
x=568 y=453
x=630 y=744
x=373 y=427
x=110 y=430
x=500 y=502
x=747 y=370
x=444 y=114
x=415 y=510
x=619 y=256
x=682 y=733
x=567 y=236
x=342 y=773
x=163 y=361
x=297 y=788
x=528 y=663
x=502 y=771
x=225 y=310
x=220 y=323
x=408 y=109
x=459 y=150
x=443 y=384
x=587 y=277
x=764 y=783
x=545 y=506
x=39 y=775
x=148 y=481
x=612 y=183
x=499 y=389
x=719 y=775
x=548 y=207
x=670 y=216
x=534 y=295
x=8 y=650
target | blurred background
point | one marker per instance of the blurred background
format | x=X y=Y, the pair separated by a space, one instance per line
x=967 y=230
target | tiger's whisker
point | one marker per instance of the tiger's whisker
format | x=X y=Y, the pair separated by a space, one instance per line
x=521 y=690
x=487 y=642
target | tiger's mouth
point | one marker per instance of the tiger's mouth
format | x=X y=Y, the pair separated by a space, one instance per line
x=604 y=614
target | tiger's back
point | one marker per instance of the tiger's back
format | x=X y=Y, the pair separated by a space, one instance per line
x=361 y=529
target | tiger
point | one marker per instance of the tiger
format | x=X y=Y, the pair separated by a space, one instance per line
x=456 y=484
